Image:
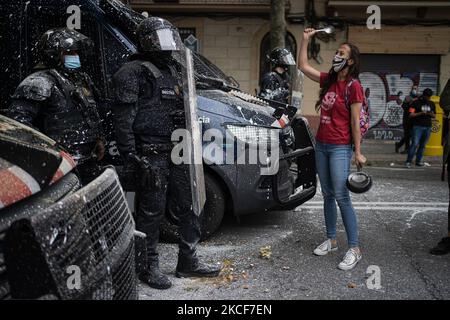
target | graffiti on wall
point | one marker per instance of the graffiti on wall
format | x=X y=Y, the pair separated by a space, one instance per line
x=385 y=93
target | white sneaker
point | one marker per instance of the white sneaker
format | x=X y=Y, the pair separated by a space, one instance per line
x=324 y=248
x=351 y=259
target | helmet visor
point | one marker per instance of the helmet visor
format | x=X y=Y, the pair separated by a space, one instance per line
x=287 y=60
x=163 y=40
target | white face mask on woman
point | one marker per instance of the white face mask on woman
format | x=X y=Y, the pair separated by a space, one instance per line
x=339 y=63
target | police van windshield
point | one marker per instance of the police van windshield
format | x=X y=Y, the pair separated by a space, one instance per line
x=205 y=69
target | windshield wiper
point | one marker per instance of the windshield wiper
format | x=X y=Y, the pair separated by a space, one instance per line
x=214 y=83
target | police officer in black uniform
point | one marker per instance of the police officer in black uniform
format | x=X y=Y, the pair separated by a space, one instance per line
x=60 y=100
x=149 y=107
x=275 y=85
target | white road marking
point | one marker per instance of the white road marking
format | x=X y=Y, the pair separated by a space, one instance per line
x=390 y=206
x=381 y=208
x=387 y=203
x=402 y=168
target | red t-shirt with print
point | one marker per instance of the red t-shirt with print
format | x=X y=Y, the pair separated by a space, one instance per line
x=335 y=117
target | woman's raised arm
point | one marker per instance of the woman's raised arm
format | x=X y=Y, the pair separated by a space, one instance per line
x=304 y=65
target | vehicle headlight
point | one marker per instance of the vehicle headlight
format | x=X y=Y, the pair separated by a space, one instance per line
x=254 y=135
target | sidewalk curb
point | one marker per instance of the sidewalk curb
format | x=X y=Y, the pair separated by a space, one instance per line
x=399 y=163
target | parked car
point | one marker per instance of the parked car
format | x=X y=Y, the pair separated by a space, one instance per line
x=51 y=227
x=238 y=189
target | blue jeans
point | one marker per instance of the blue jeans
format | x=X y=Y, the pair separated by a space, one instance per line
x=333 y=165
x=420 y=136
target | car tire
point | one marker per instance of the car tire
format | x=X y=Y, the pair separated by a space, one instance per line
x=210 y=220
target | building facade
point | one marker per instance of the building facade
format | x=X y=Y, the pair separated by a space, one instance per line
x=412 y=46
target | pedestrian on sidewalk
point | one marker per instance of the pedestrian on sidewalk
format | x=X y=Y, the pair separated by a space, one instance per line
x=443 y=247
x=340 y=104
x=421 y=112
x=406 y=105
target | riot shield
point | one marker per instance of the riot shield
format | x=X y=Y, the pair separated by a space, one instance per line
x=296 y=87
x=195 y=148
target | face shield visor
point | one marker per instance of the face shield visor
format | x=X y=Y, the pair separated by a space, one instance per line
x=162 y=40
x=287 y=60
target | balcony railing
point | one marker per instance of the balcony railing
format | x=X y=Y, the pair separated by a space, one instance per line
x=205 y=2
x=197 y=6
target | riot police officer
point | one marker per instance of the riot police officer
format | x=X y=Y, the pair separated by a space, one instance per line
x=275 y=85
x=149 y=107
x=60 y=100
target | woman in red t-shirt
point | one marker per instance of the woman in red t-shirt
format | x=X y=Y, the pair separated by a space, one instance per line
x=339 y=132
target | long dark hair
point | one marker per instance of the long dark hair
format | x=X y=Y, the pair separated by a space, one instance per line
x=353 y=73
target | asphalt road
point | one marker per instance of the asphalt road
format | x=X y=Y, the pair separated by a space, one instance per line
x=400 y=219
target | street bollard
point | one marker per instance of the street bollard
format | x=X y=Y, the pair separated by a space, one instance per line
x=434 y=146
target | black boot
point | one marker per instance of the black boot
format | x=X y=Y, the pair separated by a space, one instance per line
x=192 y=267
x=155 y=278
x=443 y=247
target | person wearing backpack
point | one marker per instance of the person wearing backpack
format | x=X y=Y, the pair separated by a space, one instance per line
x=341 y=106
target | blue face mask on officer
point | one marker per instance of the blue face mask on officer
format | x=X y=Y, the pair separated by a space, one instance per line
x=72 y=62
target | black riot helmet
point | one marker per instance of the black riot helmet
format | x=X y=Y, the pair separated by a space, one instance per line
x=57 y=41
x=281 y=57
x=156 y=35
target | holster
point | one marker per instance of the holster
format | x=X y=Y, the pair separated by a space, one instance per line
x=148 y=175
x=127 y=176
x=178 y=119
